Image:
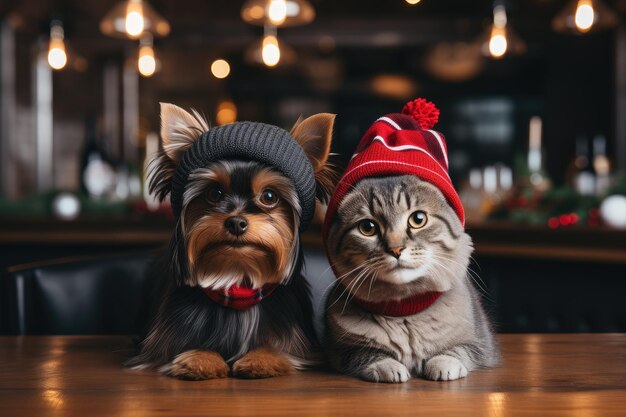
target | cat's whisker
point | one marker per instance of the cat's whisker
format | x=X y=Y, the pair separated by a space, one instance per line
x=440 y=263
x=362 y=281
x=346 y=288
x=477 y=275
x=356 y=279
x=472 y=274
x=330 y=266
x=353 y=289
x=374 y=277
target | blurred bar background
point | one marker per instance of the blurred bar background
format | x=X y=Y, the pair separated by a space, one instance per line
x=532 y=96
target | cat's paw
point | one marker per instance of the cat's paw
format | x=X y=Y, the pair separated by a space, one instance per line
x=444 y=368
x=197 y=365
x=386 y=370
x=262 y=363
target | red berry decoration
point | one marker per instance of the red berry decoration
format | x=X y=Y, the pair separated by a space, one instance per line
x=553 y=222
x=423 y=111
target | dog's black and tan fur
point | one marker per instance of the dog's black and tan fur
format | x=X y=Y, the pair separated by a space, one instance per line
x=191 y=337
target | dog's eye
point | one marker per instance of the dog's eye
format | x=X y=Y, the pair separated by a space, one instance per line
x=215 y=193
x=418 y=219
x=268 y=197
x=367 y=227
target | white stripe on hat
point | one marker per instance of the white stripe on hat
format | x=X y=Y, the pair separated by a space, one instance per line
x=443 y=148
x=377 y=161
x=410 y=147
x=389 y=122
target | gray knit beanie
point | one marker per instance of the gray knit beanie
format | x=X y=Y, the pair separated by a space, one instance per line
x=259 y=142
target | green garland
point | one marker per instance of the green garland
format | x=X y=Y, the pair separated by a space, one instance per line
x=557 y=207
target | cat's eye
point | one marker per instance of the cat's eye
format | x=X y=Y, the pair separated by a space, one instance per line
x=215 y=194
x=367 y=227
x=418 y=219
x=268 y=197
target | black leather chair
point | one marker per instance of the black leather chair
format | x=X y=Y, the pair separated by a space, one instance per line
x=103 y=295
x=74 y=296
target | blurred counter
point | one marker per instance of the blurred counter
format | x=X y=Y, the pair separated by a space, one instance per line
x=32 y=240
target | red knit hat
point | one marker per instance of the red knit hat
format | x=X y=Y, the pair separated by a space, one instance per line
x=400 y=144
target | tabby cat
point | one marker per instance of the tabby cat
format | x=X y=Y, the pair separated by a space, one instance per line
x=397 y=238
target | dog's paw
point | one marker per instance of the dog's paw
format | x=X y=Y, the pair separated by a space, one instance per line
x=262 y=363
x=197 y=365
x=444 y=368
x=386 y=370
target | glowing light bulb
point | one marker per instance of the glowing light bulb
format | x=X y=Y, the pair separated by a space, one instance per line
x=585 y=15
x=134 y=23
x=220 y=68
x=497 y=44
x=226 y=113
x=146 y=64
x=271 y=51
x=57 y=57
x=412 y=2
x=277 y=11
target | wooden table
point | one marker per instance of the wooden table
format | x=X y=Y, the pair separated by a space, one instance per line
x=542 y=375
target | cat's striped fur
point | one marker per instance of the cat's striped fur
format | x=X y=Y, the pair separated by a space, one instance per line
x=443 y=342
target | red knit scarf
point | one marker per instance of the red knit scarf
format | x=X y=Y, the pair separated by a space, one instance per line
x=239 y=298
x=399 y=308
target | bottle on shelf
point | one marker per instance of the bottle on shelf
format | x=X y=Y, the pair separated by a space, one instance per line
x=601 y=165
x=537 y=177
x=583 y=177
x=97 y=176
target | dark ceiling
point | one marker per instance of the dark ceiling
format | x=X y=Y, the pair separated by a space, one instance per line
x=350 y=21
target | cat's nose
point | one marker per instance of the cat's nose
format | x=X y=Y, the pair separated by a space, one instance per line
x=236 y=225
x=396 y=251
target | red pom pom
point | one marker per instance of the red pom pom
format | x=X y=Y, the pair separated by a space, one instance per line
x=423 y=111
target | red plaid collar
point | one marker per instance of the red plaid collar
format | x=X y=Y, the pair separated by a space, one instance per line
x=399 y=308
x=239 y=298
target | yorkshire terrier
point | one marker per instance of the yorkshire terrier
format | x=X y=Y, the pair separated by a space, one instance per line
x=229 y=295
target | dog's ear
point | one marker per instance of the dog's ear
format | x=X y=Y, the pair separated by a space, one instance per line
x=314 y=134
x=179 y=129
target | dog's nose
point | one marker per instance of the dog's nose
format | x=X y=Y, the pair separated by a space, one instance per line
x=236 y=225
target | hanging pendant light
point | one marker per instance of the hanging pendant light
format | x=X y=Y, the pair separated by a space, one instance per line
x=500 y=39
x=146 y=61
x=281 y=13
x=269 y=50
x=133 y=18
x=583 y=16
x=57 y=55
x=60 y=55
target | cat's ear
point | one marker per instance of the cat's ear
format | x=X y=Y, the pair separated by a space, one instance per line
x=315 y=134
x=180 y=129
